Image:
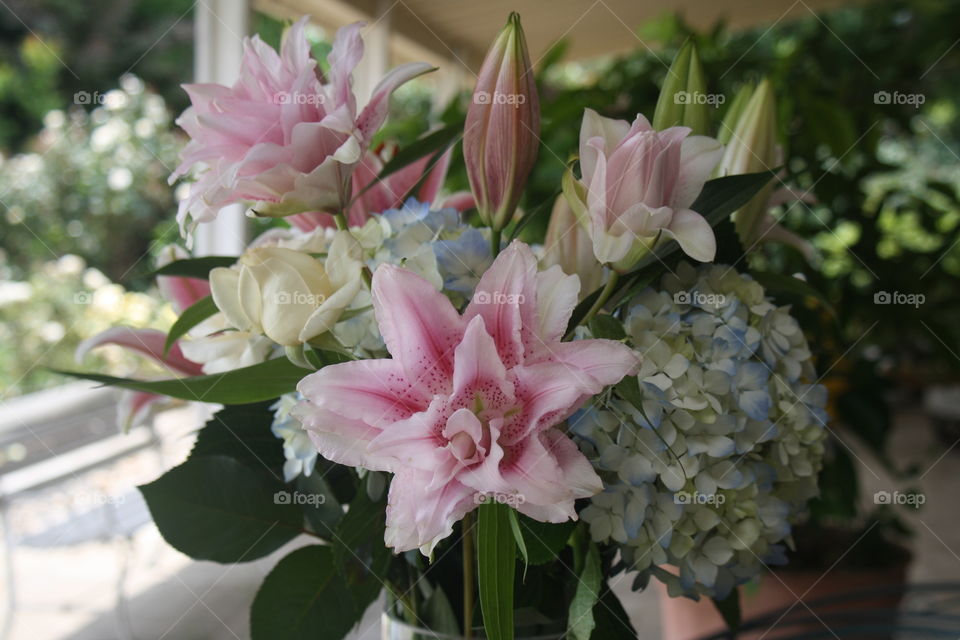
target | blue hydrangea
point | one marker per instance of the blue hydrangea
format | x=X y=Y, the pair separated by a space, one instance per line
x=702 y=484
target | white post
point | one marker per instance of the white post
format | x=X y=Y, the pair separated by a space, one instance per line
x=376 y=53
x=219 y=28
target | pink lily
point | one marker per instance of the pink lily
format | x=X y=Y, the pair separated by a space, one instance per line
x=181 y=292
x=282 y=137
x=468 y=408
x=135 y=406
x=372 y=195
x=640 y=183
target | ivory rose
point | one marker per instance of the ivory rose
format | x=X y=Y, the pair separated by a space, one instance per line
x=288 y=295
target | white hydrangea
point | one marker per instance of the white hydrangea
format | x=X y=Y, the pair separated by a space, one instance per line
x=703 y=483
x=300 y=454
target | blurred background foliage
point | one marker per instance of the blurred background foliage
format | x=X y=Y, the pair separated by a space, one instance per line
x=87 y=177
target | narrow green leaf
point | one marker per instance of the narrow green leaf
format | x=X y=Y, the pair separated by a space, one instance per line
x=435 y=143
x=729 y=608
x=214 y=508
x=518 y=538
x=258 y=382
x=496 y=566
x=191 y=317
x=581 y=623
x=195 y=267
x=303 y=598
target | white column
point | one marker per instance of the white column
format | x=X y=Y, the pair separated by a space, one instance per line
x=376 y=53
x=219 y=27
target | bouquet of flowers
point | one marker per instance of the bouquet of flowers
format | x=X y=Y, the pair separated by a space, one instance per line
x=483 y=425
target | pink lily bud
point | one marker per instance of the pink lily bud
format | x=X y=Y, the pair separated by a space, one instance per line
x=502 y=129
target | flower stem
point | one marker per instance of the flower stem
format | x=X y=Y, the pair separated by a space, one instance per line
x=495 y=242
x=604 y=296
x=341 y=219
x=468 y=581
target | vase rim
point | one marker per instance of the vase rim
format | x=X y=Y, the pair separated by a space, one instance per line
x=439 y=635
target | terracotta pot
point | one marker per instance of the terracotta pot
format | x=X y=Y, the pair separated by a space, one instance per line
x=684 y=619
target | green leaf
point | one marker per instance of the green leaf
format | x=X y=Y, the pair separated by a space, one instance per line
x=717 y=202
x=606 y=326
x=722 y=196
x=612 y=620
x=323 y=514
x=195 y=267
x=496 y=566
x=518 y=538
x=776 y=283
x=440 y=615
x=362 y=557
x=544 y=540
x=432 y=143
x=191 y=317
x=242 y=432
x=303 y=598
x=729 y=608
x=258 y=382
x=214 y=508
x=581 y=623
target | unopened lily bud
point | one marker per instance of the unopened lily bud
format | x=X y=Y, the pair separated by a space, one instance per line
x=734 y=111
x=684 y=101
x=502 y=129
x=753 y=148
x=568 y=245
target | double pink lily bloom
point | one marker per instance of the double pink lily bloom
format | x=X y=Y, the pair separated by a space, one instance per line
x=282 y=137
x=468 y=407
x=640 y=184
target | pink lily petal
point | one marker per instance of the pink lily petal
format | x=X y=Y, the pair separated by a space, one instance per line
x=505 y=298
x=149 y=342
x=419 y=326
x=374 y=114
x=376 y=392
x=421 y=517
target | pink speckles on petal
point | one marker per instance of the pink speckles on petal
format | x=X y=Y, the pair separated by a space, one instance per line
x=467 y=405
